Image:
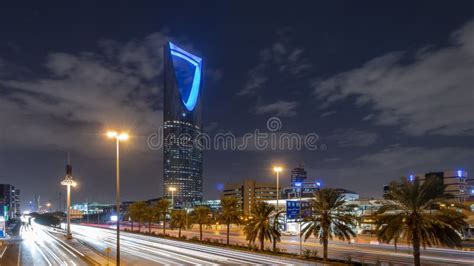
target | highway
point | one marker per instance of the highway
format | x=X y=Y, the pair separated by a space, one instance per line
x=147 y=250
x=38 y=245
x=367 y=253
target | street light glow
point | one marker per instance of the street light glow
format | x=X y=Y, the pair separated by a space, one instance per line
x=173 y=189
x=277 y=169
x=123 y=136
x=112 y=134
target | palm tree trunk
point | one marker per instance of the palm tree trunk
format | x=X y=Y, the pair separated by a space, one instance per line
x=179 y=232
x=164 y=225
x=274 y=244
x=149 y=227
x=200 y=232
x=139 y=225
x=416 y=249
x=325 y=247
x=132 y=225
x=228 y=233
x=262 y=242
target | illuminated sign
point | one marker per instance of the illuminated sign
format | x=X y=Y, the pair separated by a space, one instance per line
x=188 y=74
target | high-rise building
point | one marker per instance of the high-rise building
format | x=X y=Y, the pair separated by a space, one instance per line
x=182 y=126
x=298 y=175
x=250 y=192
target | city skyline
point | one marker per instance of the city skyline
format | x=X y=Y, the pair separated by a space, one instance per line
x=388 y=95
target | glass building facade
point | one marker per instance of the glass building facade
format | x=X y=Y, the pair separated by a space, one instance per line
x=182 y=126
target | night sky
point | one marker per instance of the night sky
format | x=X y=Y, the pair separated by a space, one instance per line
x=388 y=87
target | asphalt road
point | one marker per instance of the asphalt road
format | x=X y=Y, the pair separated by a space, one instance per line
x=36 y=245
x=367 y=253
x=147 y=250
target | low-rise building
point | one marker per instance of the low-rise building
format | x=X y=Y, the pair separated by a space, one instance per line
x=249 y=192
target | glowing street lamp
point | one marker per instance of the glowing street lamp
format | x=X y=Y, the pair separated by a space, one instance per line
x=172 y=189
x=278 y=169
x=68 y=182
x=118 y=137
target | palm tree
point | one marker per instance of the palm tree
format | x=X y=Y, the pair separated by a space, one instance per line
x=137 y=212
x=415 y=212
x=178 y=220
x=202 y=216
x=328 y=219
x=161 y=210
x=261 y=224
x=230 y=213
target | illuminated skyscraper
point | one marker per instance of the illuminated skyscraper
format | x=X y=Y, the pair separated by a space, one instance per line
x=182 y=124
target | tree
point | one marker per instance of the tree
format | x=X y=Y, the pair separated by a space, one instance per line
x=328 y=219
x=230 y=213
x=161 y=209
x=415 y=212
x=178 y=220
x=201 y=215
x=150 y=217
x=137 y=212
x=261 y=224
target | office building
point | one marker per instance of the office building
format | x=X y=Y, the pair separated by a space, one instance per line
x=455 y=180
x=298 y=175
x=250 y=192
x=182 y=160
x=9 y=201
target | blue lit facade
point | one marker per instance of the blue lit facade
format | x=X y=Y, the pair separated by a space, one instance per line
x=182 y=124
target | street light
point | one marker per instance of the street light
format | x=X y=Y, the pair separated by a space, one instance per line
x=172 y=189
x=278 y=169
x=68 y=182
x=48 y=205
x=118 y=137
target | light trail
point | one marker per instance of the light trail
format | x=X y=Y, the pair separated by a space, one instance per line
x=165 y=251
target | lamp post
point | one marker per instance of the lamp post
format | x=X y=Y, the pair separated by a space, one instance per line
x=68 y=182
x=299 y=185
x=172 y=189
x=278 y=169
x=118 y=137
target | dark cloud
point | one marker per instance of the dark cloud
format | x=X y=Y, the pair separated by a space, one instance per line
x=279 y=57
x=278 y=108
x=432 y=93
x=84 y=94
x=353 y=138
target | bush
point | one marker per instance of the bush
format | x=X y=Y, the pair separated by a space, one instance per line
x=183 y=237
x=195 y=238
x=216 y=241
x=308 y=253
